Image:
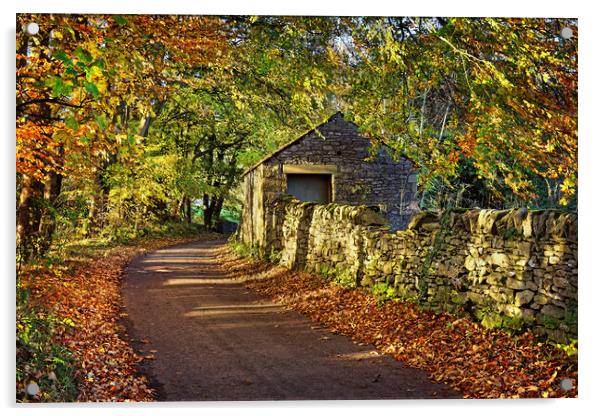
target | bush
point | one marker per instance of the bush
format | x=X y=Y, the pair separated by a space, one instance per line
x=383 y=292
x=245 y=250
x=176 y=228
x=338 y=276
x=42 y=362
x=570 y=349
x=492 y=319
x=127 y=234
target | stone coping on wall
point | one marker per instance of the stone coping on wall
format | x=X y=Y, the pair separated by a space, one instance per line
x=517 y=221
x=526 y=223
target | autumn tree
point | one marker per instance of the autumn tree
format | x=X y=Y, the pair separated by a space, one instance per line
x=123 y=121
x=87 y=86
x=490 y=101
x=223 y=118
x=90 y=87
x=55 y=83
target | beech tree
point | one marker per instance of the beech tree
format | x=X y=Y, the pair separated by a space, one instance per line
x=90 y=87
x=495 y=98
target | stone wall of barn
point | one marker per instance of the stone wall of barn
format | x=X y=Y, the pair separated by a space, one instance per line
x=516 y=265
x=361 y=178
x=252 y=226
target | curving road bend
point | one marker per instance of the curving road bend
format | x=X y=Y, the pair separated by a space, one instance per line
x=212 y=339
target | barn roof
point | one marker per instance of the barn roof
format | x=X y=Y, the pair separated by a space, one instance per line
x=292 y=142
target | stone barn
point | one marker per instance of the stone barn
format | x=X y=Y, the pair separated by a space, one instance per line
x=333 y=165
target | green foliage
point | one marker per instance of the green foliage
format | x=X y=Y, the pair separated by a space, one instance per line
x=550 y=322
x=245 y=250
x=491 y=318
x=128 y=235
x=569 y=318
x=175 y=228
x=227 y=213
x=345 y=278
x=476 y=103
x=39 y=358
x=120 y=20
x=230 y=214
x=570 y=349
x=340 y=276
x=384 y=292
x=274 y=256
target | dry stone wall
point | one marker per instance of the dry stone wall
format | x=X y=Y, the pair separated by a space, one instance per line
x=513 y=266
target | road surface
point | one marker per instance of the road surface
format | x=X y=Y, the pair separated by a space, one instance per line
x=213 y=339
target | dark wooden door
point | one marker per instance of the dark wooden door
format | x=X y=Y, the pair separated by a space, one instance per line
x=310 y=187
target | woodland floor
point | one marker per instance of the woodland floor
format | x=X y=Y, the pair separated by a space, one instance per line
x=206 y=336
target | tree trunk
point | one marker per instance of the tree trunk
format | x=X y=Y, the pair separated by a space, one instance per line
x=181 y=208
x=98 y=200
x=175 y=209
x=24 y=210
x=219 y=202
x=96 y=208
x=28 y=216
x=208 y=211
x=188 y=211
x=211 y=214
x=52 y=189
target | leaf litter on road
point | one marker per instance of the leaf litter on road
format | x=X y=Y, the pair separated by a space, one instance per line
x=476 y=361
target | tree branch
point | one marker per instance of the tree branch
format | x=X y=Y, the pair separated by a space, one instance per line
x=48 y=100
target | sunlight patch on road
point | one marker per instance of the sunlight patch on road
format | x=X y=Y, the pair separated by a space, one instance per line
x=208 y=281
x=233 y=310
x=356 y=356
x=161 y=260
x=276 y=324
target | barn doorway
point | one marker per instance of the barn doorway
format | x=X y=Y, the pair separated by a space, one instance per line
x=310 y=187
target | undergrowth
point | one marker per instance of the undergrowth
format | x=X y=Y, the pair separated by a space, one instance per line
x=45 y=370
x=339 y=276
x=245 y=250
x=99 y=244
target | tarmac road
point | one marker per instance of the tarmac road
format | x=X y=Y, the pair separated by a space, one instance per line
x=212 y=339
